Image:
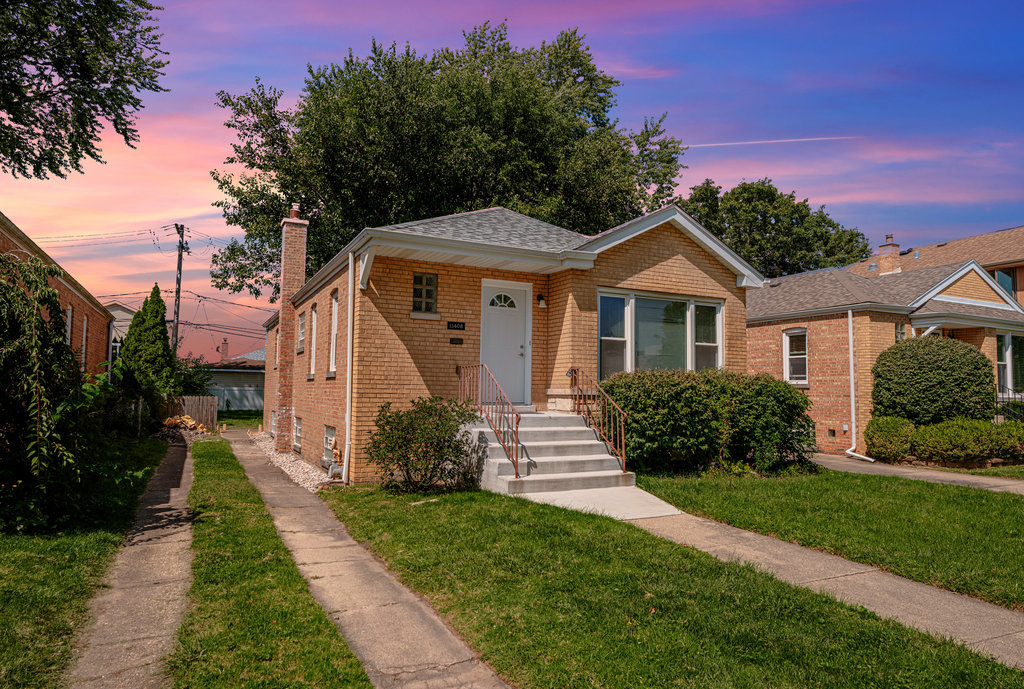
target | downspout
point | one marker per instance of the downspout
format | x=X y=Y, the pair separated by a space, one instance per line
x=348 y=366
x=853 y=397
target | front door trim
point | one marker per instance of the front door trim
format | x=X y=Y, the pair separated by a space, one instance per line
x=528 y=366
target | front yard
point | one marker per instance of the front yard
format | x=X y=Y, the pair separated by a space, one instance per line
x=966 y=540
x=553 y=598
x=46 y=580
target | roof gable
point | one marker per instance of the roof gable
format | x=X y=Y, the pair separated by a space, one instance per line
x=1001 y=247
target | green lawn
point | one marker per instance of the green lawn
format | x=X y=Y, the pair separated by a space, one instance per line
x=252 y=621
x=553 y=598
x=46 y=580
x=963 y=539
x=240 y=419
x=1013 y=471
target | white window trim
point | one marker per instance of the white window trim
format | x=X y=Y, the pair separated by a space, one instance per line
x=786 y=334
x=300 y=339
x=297 y=433
x=277 y=345
x=85 y=338
x=312 y=339
x=691 y=323
x=334 y=332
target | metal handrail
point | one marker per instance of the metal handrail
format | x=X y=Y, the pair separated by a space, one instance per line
x=609 y=421
x=478 y=384
x=1006 y=394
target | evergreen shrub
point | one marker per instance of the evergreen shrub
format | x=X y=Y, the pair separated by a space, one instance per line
x=888 y=438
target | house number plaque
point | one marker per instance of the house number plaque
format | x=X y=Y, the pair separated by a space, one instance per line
x=455 y=340
x=456 y=325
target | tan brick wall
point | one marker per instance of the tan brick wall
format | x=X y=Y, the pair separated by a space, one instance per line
x=972 y=286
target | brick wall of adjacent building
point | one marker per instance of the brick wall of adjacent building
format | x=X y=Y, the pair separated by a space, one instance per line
x=86 y=318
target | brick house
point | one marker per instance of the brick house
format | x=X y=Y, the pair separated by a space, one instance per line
x=88 y=322
x=822 y=331
x=405 y=310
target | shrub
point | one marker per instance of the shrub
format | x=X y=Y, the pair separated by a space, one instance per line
x=425 y=447
x=1013 y=410
x=1008 y=441
x=684 y=421
x=956 y=440
x=932 y=379
x=888 y=438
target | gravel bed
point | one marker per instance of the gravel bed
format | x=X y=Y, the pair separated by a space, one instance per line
x=298 y=470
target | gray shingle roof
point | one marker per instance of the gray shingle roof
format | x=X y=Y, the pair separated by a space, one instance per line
x=497 y=226
x=835 y=287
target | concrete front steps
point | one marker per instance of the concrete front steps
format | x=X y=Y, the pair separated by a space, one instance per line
x=558 y=452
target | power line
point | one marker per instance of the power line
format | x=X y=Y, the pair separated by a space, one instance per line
x=96 y=235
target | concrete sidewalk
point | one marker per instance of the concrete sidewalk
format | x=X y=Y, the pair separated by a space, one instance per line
x=400 y=640
x=859 y=466
x=621 y=502
x=136 y=619
x=987 y=628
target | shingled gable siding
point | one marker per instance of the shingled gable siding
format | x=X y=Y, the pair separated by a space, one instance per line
x=972 y=286
x=661 y=260
x=82 y=312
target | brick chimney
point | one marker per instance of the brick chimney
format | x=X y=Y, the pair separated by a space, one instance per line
x=223 y=349
x=293 y=277
x=888 y=256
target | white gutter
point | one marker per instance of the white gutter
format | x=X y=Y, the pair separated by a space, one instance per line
x=348 y=367
x=853 y=396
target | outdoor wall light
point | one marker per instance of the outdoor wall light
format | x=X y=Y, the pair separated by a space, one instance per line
x=540 y=301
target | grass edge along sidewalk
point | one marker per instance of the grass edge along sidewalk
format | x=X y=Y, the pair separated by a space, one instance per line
x=554 y=598
x=962 y=539
x=252 y=620
x=47 y=579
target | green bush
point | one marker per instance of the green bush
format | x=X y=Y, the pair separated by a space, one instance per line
x=685 y=421
x=424 y=447
x=927 y=380
x=956 y=440
x=1008 y=441
x=888 y=438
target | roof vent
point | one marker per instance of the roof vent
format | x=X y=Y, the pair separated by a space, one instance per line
x=916 y=254
x=873 y=266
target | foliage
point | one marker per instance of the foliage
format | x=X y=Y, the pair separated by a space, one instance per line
x=931 y=379
x=685 y=421
x=252 y=621
x=887 y=438
x=68 y=70
x=192 y=376
x=399 y=136
x=425 y=447
x=968 y=440
x=146 y=362
x=772 y=231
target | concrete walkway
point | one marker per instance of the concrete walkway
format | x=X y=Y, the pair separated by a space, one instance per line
x=136 y=619
x=622 y=502
x=859 y=466
x=400 y=640
x=987 y=628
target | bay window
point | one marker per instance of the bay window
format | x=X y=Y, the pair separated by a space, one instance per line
x=638 y=331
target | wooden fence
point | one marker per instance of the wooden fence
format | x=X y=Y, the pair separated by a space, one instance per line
x=201 y=408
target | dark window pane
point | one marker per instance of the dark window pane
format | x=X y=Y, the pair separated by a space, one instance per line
x=1005 y=279
x=798 y=344
x=707 y=325
x=798 y=368
x=705 y=356
x=1017 y=356
x=660 y=334
x=613 y=317
x=613 y=357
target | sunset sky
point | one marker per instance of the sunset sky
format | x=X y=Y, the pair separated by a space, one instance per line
x=902 y=117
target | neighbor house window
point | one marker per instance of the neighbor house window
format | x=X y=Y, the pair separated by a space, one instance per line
x=297 y=433
x=901 y=332
x=424 y=293
x=794 y=354
x=312 y=339
x=334 y=333
x=1007 y=279
x=329 y=434
x=646 y=332
x=300 y=340
x=67 y=325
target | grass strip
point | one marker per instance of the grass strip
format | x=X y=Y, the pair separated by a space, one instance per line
x=252 y=620
x=240 y=419
x=962 y=539
x=553 y=598
x=46 y=580
x=1012 y=471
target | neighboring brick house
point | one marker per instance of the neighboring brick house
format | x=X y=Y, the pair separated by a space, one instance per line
x=821 y=329
x=1001 y=253
x=87 y=320
x=237 y=381
x=396 y=313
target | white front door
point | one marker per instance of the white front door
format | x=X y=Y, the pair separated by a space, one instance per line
x=505 y=336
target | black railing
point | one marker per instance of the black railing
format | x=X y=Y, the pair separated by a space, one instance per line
x=1010 y=404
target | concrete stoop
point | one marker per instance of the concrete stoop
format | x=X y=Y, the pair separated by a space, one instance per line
x=558 y=452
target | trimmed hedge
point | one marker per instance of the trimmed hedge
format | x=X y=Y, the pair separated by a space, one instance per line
x=684 y=421
x=888 y=438
x=927 y=380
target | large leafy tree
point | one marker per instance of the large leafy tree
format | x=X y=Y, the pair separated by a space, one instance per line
x=398 y=136
x=774 y=232
x=69 y=68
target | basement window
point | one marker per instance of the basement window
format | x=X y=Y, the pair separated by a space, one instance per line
x=297 y=434
x=794 y=345
x=300 y=340
x=424 y=293
x=329 y=434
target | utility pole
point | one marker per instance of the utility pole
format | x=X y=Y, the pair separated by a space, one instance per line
x=177 y=287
